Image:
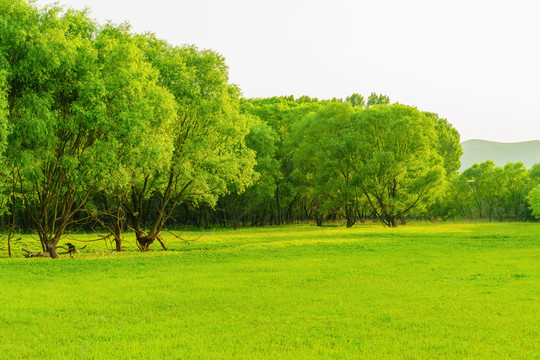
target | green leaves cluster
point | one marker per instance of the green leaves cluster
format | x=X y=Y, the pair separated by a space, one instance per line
x=486 y=191
x=386 y=158
x=534 y=199
x=95 y=109
x=107 y=129
x=347 y=159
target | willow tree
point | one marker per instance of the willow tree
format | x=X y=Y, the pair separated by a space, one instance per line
x=400 y=169
x=277 y=112
x=325 y=161
x=534 y=201
x=66 y=99
x=54 y=112
x=208 y=138
x=253 y=203
x=143 y=112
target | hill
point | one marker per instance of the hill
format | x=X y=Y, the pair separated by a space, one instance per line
x=477 y=151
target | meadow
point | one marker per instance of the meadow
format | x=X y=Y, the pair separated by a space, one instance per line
x=421 y=291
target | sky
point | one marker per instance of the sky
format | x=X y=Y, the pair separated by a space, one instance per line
x=474 y=62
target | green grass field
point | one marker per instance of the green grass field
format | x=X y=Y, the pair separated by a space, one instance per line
x=421 y=291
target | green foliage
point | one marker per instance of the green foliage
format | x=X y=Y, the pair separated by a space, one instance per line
x=534 y=174
x=400 y=169
x=99 y=122
x=488 y=191
x=534 y=201
x=356 y=100
x=90 y=114
x=142 y=111
x=448 y=144
x=375 y=99
x=281 y=114
x=56 y=112
x=325 y=160
x=209 y=136
x=263 y=140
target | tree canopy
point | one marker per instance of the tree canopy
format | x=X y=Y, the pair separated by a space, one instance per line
x=106 y=130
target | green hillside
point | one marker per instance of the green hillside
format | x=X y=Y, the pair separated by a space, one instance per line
x=477 y=151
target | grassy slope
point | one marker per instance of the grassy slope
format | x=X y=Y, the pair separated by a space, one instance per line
x=478 y=151
x=419 y=291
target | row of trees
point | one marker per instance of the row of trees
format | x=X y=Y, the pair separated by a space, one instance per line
x=105 y=130
x=349 y=159
x=486 y=191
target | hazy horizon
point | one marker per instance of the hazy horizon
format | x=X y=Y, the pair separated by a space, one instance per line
x=474 y=63
x=502 y=142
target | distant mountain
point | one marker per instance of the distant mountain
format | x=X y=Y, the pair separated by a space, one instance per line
x=478 y=151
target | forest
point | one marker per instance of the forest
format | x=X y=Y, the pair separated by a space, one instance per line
x=106 y=131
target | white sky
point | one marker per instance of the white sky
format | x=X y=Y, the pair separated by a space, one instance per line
x=474 y=62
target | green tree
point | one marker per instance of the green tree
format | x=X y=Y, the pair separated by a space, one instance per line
x=56 y=113
x=477 y=176
x=400 y=169
x=534 y=175
x=253 y=202
x=280 y=113
x=489 y=187
x=208 y=138
x=326 y=159
x=534 y=201
x=460 y=197
x=448 y=144
x=144 y=113
x=515 y=189
x=356 y=100
x=374 y=99
x=83 y=105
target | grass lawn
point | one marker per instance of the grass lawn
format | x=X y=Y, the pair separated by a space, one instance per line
x=421 y=291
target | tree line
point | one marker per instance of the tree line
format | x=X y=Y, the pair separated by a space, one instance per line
x=494 y=193
x=105 y=130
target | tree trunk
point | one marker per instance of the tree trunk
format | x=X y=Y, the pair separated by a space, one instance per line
x=117 y=232
x=144 y=241
x=118 y=241
x=278 y=205
x=9 y=245
x=51 y=249
x=349 y=214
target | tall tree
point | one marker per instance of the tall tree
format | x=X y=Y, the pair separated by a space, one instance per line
x=400 y=169
x=534 y=201
x=253 y=203
x=55 y=112
x=374 y=99
x=448 y=144
x=356 y=100
x=515 y=181
x=326 y=160
x=280 y=113
x=80 y=100
x=144 y=113
x=208 y=138
x=487 y=182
